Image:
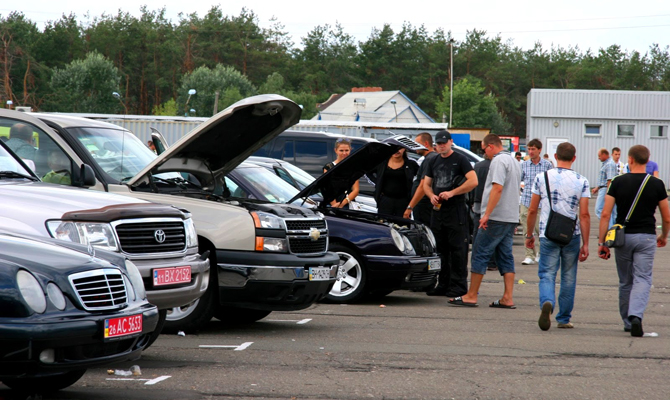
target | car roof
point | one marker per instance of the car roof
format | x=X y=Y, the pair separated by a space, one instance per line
x=68 y=121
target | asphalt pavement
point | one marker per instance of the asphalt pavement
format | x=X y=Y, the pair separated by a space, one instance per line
x=411 y=346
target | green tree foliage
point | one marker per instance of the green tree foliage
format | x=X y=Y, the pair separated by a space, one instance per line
x=473 y=108
x=19 y=70
x=275 y=85
x=168 y=109
x=230 y=83
x=86 y=86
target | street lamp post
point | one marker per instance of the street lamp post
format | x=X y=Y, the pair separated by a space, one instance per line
x=191 y=92
x=118 y=97
x=394 y=109
x=451 y=80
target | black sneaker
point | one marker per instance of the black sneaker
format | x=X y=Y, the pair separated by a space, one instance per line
x=636 y=327
x=545 y=317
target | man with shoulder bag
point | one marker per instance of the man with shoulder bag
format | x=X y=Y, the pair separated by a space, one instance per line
x=636 y=196
x=563 y=195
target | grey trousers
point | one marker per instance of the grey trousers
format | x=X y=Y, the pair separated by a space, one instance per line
x=634 y=263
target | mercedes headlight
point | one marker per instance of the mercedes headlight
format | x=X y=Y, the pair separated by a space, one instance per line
x=191 y=233
x=409 y=249
x=56 y=296
x=136 y=280
x=267 y=221
x=397 y=239
x=431 y=237
x=31 y=291
x=99 y=235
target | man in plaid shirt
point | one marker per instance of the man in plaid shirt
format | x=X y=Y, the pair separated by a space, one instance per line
x=607 y=172
x=529 y=169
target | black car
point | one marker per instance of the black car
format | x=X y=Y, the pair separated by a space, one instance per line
x=378 y=253
x=65 y=308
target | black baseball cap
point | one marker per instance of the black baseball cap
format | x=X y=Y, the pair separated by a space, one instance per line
x=442 y=137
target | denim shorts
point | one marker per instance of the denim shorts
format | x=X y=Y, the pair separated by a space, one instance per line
x=496 y=240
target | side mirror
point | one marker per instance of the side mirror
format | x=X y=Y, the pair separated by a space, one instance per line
x=86 y=176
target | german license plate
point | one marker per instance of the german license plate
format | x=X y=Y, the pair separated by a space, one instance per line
x=319 y=274
x=171 y=276
x=123 y=326
x=434 y=265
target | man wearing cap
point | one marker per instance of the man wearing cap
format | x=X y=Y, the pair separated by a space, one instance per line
x=448 y=178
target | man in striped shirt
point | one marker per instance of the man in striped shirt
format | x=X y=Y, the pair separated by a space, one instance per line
x=529 y=169
x=607 y=173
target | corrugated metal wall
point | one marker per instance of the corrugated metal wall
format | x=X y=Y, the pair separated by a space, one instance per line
x=171 y=130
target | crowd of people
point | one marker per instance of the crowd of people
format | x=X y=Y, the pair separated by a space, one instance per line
x=433 y=191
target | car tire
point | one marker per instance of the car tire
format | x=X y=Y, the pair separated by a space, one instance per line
x=162 y=316
x=44 y=384
x=239 y=316
x=196 y=315
x=351 y=277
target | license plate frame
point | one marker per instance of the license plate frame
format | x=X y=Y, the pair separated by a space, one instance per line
x=123 y=326
x=319 y=273
x=171 y=275
x=434 y=265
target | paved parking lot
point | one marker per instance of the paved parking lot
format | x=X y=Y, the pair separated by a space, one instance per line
x=410 y=346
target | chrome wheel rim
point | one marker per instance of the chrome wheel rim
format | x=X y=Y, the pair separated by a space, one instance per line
x=179 y=313
x=349 y=276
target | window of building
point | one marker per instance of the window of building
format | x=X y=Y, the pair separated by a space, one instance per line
x=625 y=130
x=592 y=129
x=658 y=131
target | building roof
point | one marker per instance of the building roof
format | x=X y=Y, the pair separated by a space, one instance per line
x=374 y=107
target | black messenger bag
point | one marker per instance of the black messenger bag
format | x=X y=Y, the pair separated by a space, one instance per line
x=559 y=228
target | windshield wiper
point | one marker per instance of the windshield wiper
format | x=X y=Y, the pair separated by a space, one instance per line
x=13 y=174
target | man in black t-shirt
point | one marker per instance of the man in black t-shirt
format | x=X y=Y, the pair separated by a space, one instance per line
x=634 y=260
x=448 y=178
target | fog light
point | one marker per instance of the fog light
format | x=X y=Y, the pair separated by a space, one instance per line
x=48 y=356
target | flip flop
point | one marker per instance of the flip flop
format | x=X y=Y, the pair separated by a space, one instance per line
x=458 y=301
x=498 y=304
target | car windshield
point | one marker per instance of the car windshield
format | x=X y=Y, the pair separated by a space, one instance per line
x=301 y=177
x=10 y=167
x=270 y=186
x=117 y=152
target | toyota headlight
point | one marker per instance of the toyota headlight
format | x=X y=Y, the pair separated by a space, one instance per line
x=136 y=280
x=191 y=233
x=397 y=239
x=31 y=290
x=99 y=235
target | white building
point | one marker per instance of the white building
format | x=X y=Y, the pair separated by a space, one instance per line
x=374 y=106
x=593 y=119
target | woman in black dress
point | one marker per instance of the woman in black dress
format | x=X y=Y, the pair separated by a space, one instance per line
x=393 y=183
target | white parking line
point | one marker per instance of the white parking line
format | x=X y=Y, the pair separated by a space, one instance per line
x=156 y=380
x=221 y=346
x=146 y=381
x=298 y=322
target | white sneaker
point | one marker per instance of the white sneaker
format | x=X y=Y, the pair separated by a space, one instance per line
x=528 y=261
x=537 y=259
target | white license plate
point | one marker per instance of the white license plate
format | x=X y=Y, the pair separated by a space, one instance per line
x=171 y=276
x=434 y=265
x=123 y=326
x=319 y=273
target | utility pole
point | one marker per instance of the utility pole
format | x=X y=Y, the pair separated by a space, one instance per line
x=216 y=102
x=451 y=80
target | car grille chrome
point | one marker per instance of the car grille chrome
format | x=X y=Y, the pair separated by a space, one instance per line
x=307 y=236
x=151 y=237
x=100 y=289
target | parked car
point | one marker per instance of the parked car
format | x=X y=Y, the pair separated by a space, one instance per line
x=160 y=239
x=378 y=253
x=65 y=307
x=264 y=256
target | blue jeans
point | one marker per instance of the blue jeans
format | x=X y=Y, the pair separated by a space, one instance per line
x=554 y=257
x=496 y=240
x=600 y=204
x=634 y=262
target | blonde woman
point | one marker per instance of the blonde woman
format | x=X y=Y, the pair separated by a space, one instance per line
x=342 y=150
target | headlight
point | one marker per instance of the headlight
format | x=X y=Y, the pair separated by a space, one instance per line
x=191 y=234
x=409 y=249
x=267 y=221
x=431 y=237
x=99 y=235
x=397 y=239
x=271 y=244
x=56 y=296
x=31 y=291
x=136 y=280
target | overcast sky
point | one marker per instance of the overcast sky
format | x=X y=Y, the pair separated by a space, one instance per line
x=634 y=25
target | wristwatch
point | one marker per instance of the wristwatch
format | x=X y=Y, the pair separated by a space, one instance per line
x=410 y=208
x=601 y=244
x=529 y=237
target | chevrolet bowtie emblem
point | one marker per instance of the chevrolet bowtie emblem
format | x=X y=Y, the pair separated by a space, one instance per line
x=314 y=234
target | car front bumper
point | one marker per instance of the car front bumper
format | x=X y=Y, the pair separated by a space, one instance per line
x=272 y=281
x=400 y=272
x=169 y=296
x=76 y=338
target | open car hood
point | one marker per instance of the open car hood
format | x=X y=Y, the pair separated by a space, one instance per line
x=340 y=178
x=222 y=142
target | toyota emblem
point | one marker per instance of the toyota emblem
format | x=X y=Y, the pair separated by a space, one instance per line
x=159 y=235
x=314 y=234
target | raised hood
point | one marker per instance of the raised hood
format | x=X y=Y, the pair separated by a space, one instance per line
x=222 y=142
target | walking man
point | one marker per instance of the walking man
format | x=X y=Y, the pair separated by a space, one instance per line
x=570 y=197
x=529 y=170
x=420 y=205
x=496 y=225
x=607 y=173
x=616 y=158
x=447 y=179
x=635 y=259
